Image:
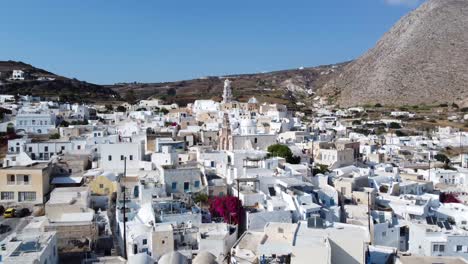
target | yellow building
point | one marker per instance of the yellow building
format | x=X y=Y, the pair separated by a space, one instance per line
x=24 y=185
x=104 y=184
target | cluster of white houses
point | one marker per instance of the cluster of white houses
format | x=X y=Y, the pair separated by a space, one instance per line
x=135 y=186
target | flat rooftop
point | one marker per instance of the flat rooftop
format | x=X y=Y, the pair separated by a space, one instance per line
x=430 y=260
x=34 y=166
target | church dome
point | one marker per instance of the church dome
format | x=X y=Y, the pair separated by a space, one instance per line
x=173 y=257
x=205 y=258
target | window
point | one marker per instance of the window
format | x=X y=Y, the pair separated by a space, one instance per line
x=459 y=248
x=438 y=248
x=384 y=234
x=10 y=179
x=62 y=147
x=145 y=241
x=109 y=157
x=46 y=149
x=197 y=184
x=174 y=186
x=30 y=149
x=255 y=140
x=130 y=157
x=101 y=186
x=122 y=157
x=7 y=196
x=78 y=147
x=26 y=179
x=186 y=186
x=26 y=196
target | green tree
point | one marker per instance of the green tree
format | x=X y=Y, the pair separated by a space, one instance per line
x=442 y=158
x=280 y=150
x=130 y=97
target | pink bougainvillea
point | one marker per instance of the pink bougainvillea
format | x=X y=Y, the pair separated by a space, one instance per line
x=227 y=207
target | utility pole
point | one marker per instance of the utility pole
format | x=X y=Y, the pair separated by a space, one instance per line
x=369 y=217
x=429 y=159
x=124 y=211
x=461 y=150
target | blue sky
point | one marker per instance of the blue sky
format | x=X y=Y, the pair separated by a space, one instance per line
x=151 y=40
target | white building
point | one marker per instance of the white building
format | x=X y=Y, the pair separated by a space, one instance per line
x=30 y=246
x=113 y=156
x=18 y=75
x=37 y=121
x=430 y=239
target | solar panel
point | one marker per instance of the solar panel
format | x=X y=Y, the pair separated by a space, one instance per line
x=429 y=220
x=447 y=225
x=440 y=224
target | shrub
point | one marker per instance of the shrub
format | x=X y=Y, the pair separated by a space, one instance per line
x=383 y=189
x=54 y=136
x=394 y=125
x=171 y=92
x=201 y=198
x=64 y=123
x=109 y=107
x=400 y=133
x=121 y=108
x=320 y=169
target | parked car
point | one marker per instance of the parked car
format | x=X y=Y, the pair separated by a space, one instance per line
x=22 y=212
x=9 y=213
x=4 y=228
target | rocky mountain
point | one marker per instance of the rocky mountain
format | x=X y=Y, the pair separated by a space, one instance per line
x=423 y=59
x=286 y=86
x=39 y=82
